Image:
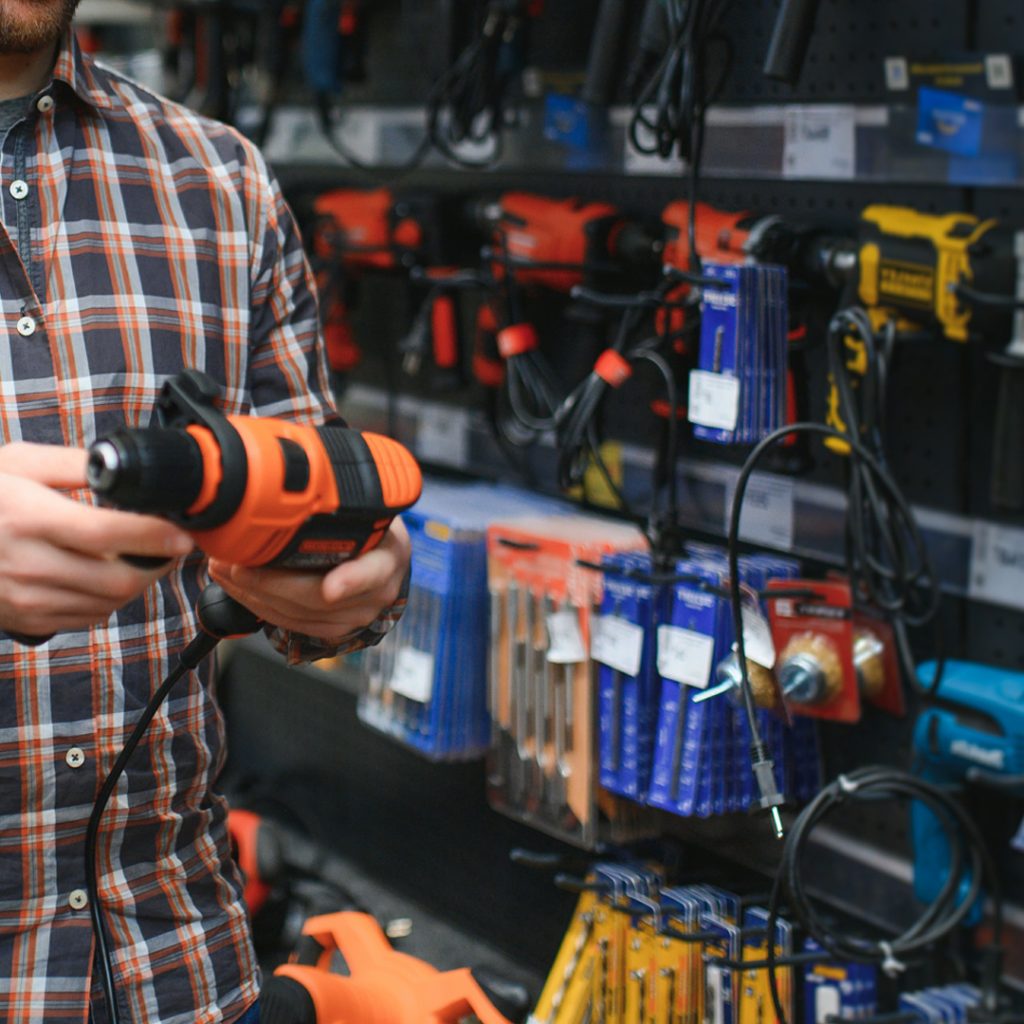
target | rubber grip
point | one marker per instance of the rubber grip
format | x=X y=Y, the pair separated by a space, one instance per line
x=605 y=46
x=1007 y=482
x=444 y=332
x=788 y=46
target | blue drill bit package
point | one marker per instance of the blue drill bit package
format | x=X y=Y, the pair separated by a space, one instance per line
x=425 y=683
x=834 y=988
x=624 y=648
x=737 y=395
x=701 y=761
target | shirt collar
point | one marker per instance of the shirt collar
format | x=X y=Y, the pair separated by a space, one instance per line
x=78 y=71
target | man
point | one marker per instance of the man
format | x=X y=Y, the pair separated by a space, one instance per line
x=137 y=239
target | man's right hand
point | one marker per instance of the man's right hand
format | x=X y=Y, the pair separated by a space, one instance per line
x=59 y=564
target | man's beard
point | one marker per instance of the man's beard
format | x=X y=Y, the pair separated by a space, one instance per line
x=30 y=25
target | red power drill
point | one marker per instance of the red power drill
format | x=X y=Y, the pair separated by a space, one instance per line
x=359 y=231
x=251 y=490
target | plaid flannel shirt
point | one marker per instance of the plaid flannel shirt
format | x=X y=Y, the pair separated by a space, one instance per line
x=137 y=239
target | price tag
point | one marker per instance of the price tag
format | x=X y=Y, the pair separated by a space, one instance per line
x=714 y=400
x=443 y=436
x=819 y=142
x=767 y=516
x=565 y=641
x=757 y=637
x=617 y=643
x=997 y=565
x=413 y=676
x=685 y=656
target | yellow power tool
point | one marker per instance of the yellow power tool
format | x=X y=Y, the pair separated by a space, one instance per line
x=950 y=274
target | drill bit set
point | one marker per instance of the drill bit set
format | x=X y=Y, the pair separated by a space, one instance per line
x=425 y=683
x=661 y=640
x=637 y=950
x=543 y=589
x=738 y=394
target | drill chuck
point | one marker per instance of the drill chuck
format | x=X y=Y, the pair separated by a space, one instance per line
x=150 y=470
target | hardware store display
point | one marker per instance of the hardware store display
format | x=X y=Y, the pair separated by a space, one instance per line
x=706 y=320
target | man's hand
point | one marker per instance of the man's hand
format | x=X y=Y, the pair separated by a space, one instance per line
x=327 y=606
x=59 y=565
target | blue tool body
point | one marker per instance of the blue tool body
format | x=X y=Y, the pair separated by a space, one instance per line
x=975 y=732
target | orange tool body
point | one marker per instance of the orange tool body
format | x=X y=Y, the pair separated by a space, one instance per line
x=551 y=242
x=359 y=231
x=382 y=987
x=252 y=490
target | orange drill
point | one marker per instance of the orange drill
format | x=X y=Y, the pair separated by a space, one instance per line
x=255 y=491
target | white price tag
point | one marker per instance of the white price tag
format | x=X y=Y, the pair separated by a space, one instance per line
x=413 y=676
x=757 y=637
x=767 y=516
x=685 y=655
x=714 y=400
x=997 y=565
x=617 y=643
x=443 y=435
x=565 y=641
x=819 y=142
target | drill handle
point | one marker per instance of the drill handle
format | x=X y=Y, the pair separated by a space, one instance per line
x=1007 y=481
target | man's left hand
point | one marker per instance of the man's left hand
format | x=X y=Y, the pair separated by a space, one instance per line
x=329 y=605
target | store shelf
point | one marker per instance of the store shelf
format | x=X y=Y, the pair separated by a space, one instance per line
x=840 y=142
x=973 y=557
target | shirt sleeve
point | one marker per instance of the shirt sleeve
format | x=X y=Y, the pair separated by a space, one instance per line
x=288 y=372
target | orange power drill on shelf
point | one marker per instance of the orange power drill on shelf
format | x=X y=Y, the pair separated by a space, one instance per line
x=252 y=490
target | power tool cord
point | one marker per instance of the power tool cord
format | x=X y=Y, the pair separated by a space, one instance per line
x=967 y=849
x=677 y=90
x=885 y=552
x=189 y=658
x=467 y=103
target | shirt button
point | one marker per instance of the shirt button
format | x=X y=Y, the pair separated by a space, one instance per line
x=78 y=899
x=75 y=757
x=26 y=326
x=44 y=104
x=19 y=189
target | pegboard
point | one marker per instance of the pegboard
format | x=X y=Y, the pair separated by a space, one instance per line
x=939 y=415
x=847 y=50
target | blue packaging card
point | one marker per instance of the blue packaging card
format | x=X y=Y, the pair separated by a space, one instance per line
x=949 y=121
x=720 y=337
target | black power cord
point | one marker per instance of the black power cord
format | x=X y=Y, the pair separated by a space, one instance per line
x=670 y=107
x=945 y=913
x=885 y=554
x=221 y=617
x=468 y=104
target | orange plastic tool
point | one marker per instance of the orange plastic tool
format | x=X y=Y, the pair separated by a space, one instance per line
x=383 y=986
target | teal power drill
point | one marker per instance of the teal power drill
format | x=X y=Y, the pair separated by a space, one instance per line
x=974 y=733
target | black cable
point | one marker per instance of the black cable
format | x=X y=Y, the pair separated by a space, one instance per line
x=972 y=296
x=968 y=851
x=679 y=93
x=886 y=557
x=198 y=649
x=468 y=102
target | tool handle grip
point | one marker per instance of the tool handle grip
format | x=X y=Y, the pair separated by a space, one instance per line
x=1007 y=482
x=605 y=47
x=788 y=45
